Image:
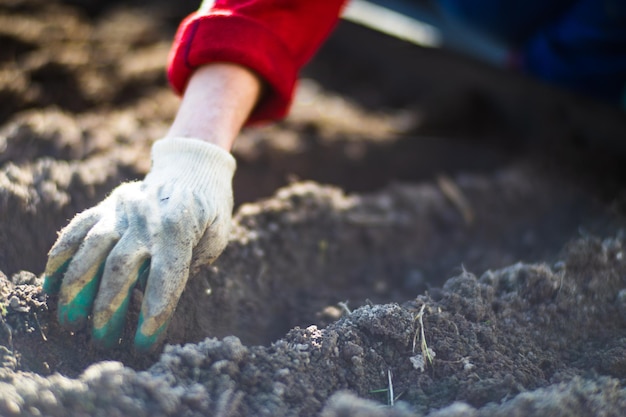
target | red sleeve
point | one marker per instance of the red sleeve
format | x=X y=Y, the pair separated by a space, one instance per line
x=275 y=38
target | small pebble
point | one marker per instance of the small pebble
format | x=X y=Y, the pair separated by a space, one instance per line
x=14 y=302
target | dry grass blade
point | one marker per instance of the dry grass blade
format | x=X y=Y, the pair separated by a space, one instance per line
x=453 y=193
x=425 y=350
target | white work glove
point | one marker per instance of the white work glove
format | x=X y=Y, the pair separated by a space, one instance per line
x=151 y=231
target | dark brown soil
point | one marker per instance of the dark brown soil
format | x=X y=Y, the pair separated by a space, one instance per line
x=423 y=235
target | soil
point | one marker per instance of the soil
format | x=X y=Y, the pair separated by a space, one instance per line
x=423 y=235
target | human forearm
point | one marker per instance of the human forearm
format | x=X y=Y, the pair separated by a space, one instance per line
x=217 y=102
x=274 y=38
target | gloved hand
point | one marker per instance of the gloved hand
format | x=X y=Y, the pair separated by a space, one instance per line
x=154 y=231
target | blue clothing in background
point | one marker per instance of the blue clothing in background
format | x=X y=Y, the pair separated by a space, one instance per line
x=576 y=44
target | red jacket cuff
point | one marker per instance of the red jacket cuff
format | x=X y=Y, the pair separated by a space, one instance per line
x=202 y=39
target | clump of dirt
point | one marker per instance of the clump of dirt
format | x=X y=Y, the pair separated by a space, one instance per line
x=448 y=271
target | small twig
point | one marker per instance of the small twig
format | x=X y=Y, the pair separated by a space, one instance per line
x=399 y=396
x=344 y=307
x=423 y=346
x=456 y=197
x=391 y=396
x=43 y=336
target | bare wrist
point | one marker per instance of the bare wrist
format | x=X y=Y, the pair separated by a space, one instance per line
x=217 y=101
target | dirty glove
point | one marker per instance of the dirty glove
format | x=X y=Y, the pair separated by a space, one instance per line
x=151 y=231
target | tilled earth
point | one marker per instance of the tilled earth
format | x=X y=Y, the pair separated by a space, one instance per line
x=424 y=236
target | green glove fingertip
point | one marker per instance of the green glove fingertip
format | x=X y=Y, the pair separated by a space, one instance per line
x=145 y=342
x=76 y=311
x=52 y=279
x=107 y=332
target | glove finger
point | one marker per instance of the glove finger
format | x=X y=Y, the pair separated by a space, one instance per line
x=211 y=244
x=124 y=266
x=144 y=272
x=168 y=275
x=82 y=278
x=67 y=244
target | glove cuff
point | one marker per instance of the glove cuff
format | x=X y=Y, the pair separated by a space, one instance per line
x=197 y=163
